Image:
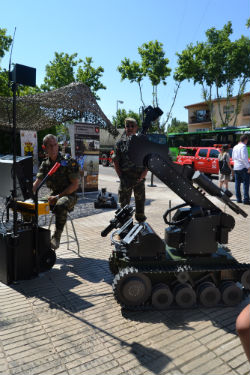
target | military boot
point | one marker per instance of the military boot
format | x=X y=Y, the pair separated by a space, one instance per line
x=55 y=240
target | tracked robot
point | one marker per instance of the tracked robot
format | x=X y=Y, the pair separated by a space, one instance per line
x=191 y=265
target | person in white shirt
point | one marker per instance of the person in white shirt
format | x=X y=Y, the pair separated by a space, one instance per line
x=241 y=169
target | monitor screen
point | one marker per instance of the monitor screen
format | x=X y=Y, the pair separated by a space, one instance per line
x=24 y=176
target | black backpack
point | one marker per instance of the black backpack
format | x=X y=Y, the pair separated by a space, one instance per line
x=223 y=166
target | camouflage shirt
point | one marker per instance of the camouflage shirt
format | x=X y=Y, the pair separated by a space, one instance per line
x=121 y=156
x=61 y=179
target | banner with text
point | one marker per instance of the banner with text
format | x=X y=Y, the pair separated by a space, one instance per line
x=86 y=150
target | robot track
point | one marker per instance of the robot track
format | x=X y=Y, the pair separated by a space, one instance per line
x=169 y=286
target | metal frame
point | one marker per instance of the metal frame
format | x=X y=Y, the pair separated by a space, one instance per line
x=69 y=236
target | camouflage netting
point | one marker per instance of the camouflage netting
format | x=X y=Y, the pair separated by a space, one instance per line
x=46 y=109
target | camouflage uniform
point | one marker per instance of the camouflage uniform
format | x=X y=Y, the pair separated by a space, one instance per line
x=58 y=182
x=129 y=177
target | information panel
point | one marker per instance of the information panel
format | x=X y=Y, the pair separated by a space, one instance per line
x=86 y=147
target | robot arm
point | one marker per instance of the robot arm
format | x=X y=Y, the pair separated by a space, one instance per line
x=180 y=179
x=199 y=224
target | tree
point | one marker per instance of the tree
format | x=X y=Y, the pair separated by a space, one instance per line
x=217 y=64
x=5 y=89
x=60 y=72
x=177 y=126
x=154 y=66
x=5 y=43
x=133 y=72
x=90 y=76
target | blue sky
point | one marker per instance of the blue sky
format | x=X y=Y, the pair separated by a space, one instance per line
x=109 y=30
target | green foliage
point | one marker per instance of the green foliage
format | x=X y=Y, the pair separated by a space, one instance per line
x=177 y=126
x=157 y=127
x=5 y=42
x=60 y=72
x=131 y=70
x=153 y=65
x=215 y=64
x=62 y=131
x=207 y=62
x=90 y=76
x=41 y=134
x=5 y=89
x=218 y=61
x=28 y=90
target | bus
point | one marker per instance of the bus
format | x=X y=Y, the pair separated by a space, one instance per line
x=226 y=135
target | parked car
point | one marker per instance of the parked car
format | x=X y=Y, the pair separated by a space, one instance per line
x=204 y=159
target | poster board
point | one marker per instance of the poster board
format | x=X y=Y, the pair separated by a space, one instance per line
x=29 y=146
x=86 y=152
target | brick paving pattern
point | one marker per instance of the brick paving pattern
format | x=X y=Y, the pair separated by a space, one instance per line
x=66 y=321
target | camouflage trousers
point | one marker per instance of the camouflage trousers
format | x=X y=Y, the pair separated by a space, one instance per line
x=128 y=185
x=61 y=209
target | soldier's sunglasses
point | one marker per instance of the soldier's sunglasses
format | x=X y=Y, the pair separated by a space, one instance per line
x=130 y=126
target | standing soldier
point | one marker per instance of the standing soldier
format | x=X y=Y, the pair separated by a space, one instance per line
x=63 y=183
x=132 y=178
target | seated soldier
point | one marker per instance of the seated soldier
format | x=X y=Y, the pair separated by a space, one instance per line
x=63 y=184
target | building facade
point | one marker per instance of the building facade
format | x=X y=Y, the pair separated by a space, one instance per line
x=199 y=116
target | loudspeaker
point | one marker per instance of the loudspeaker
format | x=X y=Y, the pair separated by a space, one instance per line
x=24 y=75
x=17 y=255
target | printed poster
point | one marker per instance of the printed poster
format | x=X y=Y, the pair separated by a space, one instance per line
x=86 y=150
x=29 y=146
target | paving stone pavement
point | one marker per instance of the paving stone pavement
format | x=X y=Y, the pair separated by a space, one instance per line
x=66 y=321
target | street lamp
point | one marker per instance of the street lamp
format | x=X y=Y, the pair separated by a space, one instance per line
x=117 y=103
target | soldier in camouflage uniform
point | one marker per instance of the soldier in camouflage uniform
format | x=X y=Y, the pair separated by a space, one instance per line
x=131 y=177
x=63 y=184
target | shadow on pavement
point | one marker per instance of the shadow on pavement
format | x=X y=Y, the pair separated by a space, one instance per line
x=56 y=287
x=53 y=293
x=186 y=319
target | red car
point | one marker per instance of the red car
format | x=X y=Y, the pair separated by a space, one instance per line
x=204 y=159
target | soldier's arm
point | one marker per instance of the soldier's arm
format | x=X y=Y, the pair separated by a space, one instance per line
x=116 y=159
x=144 y=174
x=74 y=176
x=71 y=188
x=36 y=184
x=117 y=168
